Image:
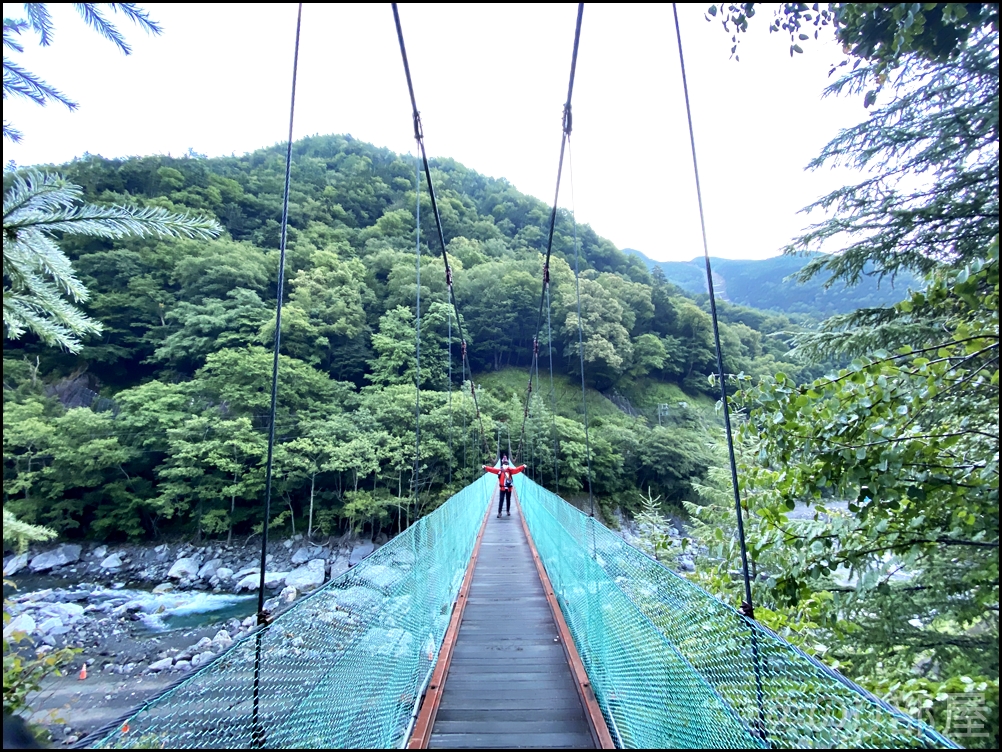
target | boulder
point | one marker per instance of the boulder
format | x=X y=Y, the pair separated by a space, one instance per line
x=250 y=582
x=66 y=612
x=222 y=640
x=162 y=665
x=244 y=572
x=20 y=623
x=163 y=587
x=305 y=553
x=15 y=564
x=182 y=666
x=202 y=646
x=360 y=551
x=57 y=557
x=223 y=574
x=100 y=552
x=378 y=576
x=274 y=579
x=288 y=594
x=186 y=567
x=272 y=605
x=111 y=562
x=209 y=568
x=201 y=659
x=307 y=577
x=50 y=625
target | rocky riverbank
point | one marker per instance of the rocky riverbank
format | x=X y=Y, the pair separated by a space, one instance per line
x=143 y=616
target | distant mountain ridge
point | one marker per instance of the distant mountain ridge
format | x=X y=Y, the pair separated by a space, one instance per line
x=764 y=284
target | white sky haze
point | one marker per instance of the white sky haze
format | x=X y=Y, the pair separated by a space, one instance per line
x=490 y=82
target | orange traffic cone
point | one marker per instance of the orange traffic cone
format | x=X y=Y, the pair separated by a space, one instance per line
x=83 y=672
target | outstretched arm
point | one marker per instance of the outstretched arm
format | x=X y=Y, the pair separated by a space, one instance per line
x=490 y=469
x=517 y=470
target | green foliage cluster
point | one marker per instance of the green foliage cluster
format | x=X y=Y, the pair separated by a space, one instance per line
x=871 y=492
x=177 y=441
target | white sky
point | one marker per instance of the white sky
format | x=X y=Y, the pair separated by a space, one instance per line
x=490 y=81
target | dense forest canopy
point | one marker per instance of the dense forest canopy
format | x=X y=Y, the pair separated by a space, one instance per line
x=182 y=370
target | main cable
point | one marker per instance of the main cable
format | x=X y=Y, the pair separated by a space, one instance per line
x=544 y=296
x=419 y=137
x=258 y=739
x=747 y=607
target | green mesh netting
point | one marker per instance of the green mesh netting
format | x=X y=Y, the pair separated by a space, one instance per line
x=344 y=667
x=673 y=667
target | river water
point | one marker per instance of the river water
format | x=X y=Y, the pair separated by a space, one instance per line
x=156 y=612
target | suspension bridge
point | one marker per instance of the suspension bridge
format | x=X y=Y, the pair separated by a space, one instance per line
x=539 y=629
x=451 y=636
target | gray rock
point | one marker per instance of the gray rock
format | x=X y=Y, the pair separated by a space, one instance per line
x=202 y=646
x=162 y=665
x=182 y=665
x=240 y=573
x=288 y=594
x=271 y=605
x=222 y=640
x=275 y=579
x=250 y=582
x=111 y=562
x=57 y=557
x=357 y=599
x=201 y=659
x=223 y=574
x=163 y=587
x=378 y=575
x=100 y=552
x=249 y=622
x=209 y=568
x=66 y=612
x=50 y=625
x=308 y=577
x=15 y=564
x=360 y=551
x=305 y=553
x=186 y=567
x=20 y=623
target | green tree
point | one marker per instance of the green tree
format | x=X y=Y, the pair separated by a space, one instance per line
x=20 y=82
x=37 y=275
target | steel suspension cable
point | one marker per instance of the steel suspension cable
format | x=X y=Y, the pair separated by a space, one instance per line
x=417 y=343
x=258 y=739
x=747 y=607
x=564 y=137
x=278 y=328
x=419 y=137
x=577 y=292
x=553 y=399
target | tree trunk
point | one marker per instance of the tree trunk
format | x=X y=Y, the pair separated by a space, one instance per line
x=309 y=524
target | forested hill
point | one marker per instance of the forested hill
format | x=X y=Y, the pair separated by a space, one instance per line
x=766 y=284
x=183 y=369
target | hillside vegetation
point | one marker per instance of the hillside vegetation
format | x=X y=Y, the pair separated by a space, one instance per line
x=159 y=424
x=770 y=284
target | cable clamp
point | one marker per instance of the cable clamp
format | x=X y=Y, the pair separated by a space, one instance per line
x=535 y=347
x=546 y=273
x=448 y=276
x=418 y=129
x=568 y=119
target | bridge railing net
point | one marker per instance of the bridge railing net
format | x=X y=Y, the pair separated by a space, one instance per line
x=342 y=668
x=673 y=667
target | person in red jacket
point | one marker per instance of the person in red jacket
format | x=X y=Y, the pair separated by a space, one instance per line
x=505 y=483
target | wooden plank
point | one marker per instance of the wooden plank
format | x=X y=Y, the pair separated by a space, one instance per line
x=596 y=720
x=433 y=696
x=509 y=682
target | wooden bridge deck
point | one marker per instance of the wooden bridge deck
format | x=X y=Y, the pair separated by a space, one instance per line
x=509 y=682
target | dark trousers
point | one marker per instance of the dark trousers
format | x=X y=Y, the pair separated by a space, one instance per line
x=504 y=496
